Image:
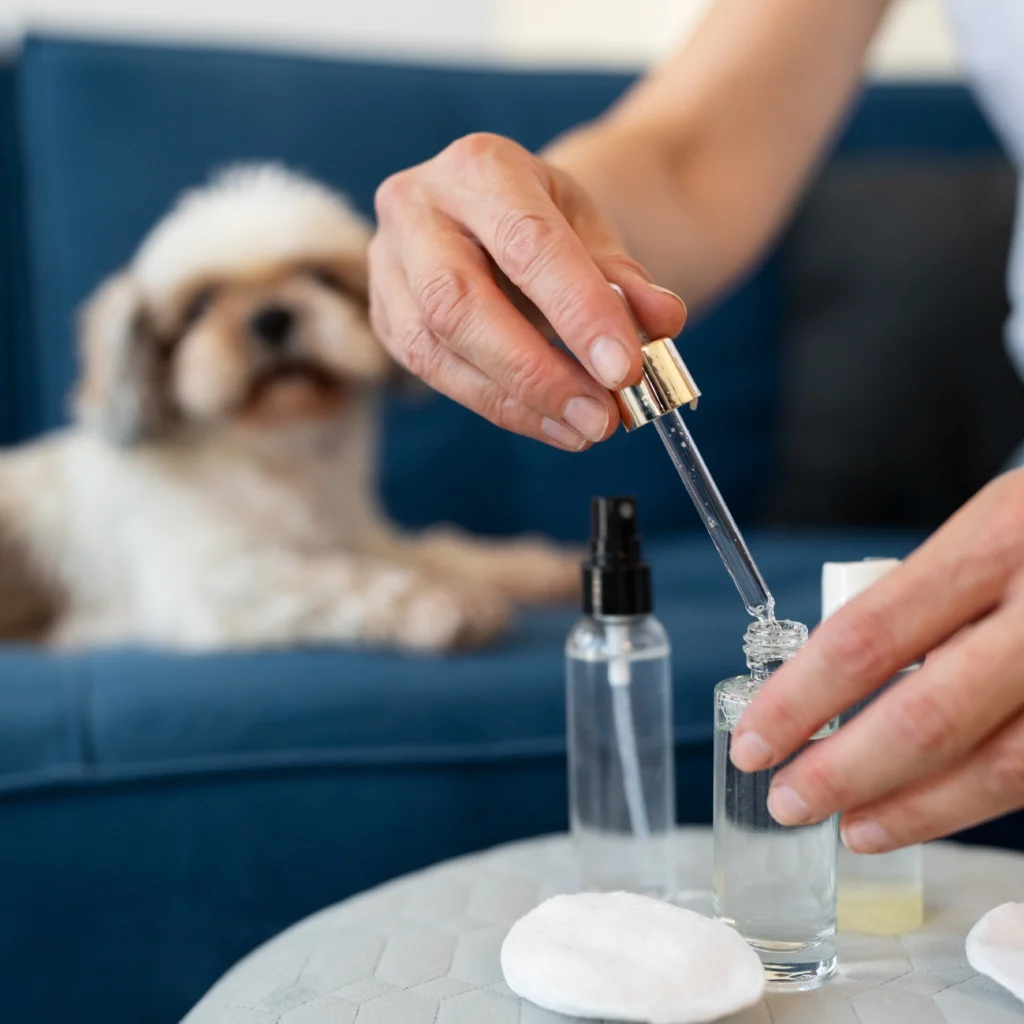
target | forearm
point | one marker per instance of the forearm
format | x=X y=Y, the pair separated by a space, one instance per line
x=685 y=179
x=701 y=162
x=631 y=177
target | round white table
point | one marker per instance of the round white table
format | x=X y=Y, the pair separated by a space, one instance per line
x=424 y=949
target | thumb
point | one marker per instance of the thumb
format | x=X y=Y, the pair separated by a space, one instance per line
x=660 y=312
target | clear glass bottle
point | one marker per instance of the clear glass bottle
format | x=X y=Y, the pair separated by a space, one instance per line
x=775 y=884
x=619 y=717
x=882 y=893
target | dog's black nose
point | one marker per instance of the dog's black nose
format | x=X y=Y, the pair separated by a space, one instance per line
x=272 y=325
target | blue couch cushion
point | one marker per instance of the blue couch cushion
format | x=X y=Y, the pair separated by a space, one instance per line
x=921 y=121
x=118 y=715
x=113 y=133
x=12 y=251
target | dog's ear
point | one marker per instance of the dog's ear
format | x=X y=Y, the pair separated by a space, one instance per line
x=122 y=392
x=349 y=274
x=353 y=273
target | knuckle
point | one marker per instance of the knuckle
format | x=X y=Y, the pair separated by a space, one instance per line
x=1002 y=534
x=445 y=301
x=927 y=724
x=907 y=819
x=525 y=243
x=391 y=193
x=419 y=351
x=824 y=782
x=530 y=377
x=1005 y=769
x=780 y=713
x=859 y=641
x=478 y=151
x=499 y=407
x=576 y=310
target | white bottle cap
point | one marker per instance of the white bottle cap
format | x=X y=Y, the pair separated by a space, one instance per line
x=843 y=581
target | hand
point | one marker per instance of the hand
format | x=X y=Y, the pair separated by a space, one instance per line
x=943 y=748
x=476 y=252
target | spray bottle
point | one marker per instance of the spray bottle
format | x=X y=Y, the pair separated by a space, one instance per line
x=619 y=715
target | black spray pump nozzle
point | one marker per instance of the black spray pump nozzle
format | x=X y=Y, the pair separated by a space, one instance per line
x=616 y=580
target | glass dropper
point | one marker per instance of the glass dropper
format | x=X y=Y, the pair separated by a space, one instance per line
x=715 y=513
x=665 y=387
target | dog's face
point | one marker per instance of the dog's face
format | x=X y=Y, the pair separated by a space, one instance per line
x=265 y=343
x=289 y=343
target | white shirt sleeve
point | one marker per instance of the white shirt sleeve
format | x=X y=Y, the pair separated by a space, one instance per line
x=990 y=36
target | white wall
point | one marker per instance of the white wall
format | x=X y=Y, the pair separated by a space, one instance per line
x=915 y=40
x=438 y=27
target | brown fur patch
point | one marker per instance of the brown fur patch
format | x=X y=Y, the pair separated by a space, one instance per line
x=28 y=606
x=122 y=391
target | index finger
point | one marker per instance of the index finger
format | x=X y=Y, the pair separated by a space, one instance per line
x=944 y=585
x=515 y=219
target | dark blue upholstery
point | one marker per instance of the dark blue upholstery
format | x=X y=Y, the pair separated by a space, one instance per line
x=917 y=121
x=12 y=252
x=161 y=815
x=117 y=716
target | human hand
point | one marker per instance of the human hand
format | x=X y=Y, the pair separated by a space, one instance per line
x=476 y=252
x=943 y=748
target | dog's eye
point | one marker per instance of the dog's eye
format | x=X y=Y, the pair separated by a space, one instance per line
x=326 y=277
x=198 y=306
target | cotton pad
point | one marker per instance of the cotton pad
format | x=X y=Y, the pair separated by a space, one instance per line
x=625 y=957
x=995 y=947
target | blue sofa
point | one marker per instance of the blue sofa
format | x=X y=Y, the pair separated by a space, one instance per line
x=161 y=815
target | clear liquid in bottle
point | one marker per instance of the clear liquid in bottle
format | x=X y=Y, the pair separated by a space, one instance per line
x=619 y=716
x=621 y=755
x=775 y=884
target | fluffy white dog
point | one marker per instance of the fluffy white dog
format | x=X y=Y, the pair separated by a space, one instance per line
x=217 y=488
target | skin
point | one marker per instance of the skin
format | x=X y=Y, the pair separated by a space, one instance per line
x=682 y=182
x=486 y=251
x=941 y=750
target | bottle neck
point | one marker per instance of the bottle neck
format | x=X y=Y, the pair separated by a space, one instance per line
x=760 y=673
x=616 y=579
x=769 y=644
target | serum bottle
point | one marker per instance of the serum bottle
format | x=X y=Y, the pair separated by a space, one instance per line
x=776 y=885
x=882 y=893
x=619 y=716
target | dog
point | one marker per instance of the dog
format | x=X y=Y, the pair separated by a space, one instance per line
x=216 y=488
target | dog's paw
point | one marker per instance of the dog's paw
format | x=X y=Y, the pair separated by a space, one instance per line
x=537 y=572
x=440 y=617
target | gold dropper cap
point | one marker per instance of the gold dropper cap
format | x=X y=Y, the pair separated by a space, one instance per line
x=665 y=382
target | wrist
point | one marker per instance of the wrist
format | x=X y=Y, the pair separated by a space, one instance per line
x=609 y=165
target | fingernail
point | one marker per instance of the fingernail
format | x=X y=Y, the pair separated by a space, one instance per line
x=610 y=361
x=786 y=806
x=865 y=836
x=587 y=416
x=561 y=434
x=749 y=752
x=668 y=291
